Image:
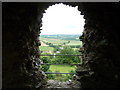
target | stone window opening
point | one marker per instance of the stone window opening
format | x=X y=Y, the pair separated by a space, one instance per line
x=20 y=45
x=66 y=33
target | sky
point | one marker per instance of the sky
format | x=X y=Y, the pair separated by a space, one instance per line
x=62 y=19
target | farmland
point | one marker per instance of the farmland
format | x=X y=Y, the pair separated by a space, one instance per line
x=57 y=40
x=60 y=44
x=53 y=41
x=62 y=68
x=46 y=48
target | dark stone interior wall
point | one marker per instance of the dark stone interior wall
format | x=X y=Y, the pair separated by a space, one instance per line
x=21 y=23
x=101 y=45
x=21 y=28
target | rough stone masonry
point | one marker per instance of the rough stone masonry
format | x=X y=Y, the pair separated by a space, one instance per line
x=21 y=24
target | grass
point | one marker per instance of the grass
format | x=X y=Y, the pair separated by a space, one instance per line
x=54 y=41
x=59 y=68
x=62 y=68
x=73 y=42
x=46 y=48
x=59 y=41
x=75 y=48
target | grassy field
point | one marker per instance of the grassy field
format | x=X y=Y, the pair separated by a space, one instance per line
x=73 y=42
x=46 y=48
x=59 y=41
x=62 y=68
x=53 y=41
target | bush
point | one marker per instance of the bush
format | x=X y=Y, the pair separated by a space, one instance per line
x=50 y=76
x=45 y=67
x=67 y=59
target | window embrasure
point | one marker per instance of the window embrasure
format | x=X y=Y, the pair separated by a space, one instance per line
x=61 y=27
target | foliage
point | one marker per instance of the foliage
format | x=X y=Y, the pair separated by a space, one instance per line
x=65 y=44
x=45 y=67
x=70 y=76
x=60 y=77
x=50 y=76
x=67 y=59
x=60 y=41
x=75 y=46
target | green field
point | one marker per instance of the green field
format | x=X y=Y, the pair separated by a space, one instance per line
x=62 y=68
x=68 y=40
x=59 y=41
x=73 y=42
x=52 y=42
x=46 y=48
x=63 y=36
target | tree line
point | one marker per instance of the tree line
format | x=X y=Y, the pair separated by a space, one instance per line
x=61 y=59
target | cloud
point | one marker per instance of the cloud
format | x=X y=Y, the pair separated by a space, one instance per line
x=62 y=19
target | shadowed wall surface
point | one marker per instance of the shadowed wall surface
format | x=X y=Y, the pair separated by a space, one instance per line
x=21 y=28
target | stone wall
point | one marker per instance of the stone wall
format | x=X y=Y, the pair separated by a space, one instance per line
x=21 y=28
x=100 y=46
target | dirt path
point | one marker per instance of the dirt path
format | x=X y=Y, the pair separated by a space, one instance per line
x=58 y=84
x=43 y=44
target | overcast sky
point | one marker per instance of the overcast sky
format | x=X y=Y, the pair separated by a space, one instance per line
x=62 y=19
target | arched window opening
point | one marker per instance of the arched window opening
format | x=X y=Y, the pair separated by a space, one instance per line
x=62 y=25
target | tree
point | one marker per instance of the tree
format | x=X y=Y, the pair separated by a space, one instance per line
x=45 y=60
x=76 y=58
x=66 y=59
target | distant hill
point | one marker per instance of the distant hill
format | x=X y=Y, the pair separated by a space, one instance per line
x=63 y=36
